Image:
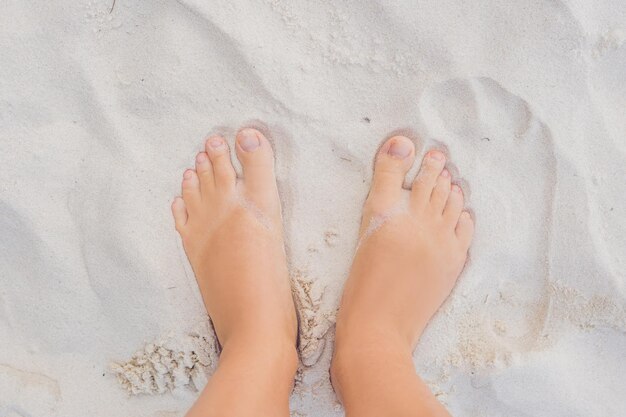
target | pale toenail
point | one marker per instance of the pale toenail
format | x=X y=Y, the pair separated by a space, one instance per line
x=216 y=143
x=436 y=155
x=201 y=158
x=445 y=173
x=187 y=175
x=249 y=140
x=456 y=188
x=400 y=149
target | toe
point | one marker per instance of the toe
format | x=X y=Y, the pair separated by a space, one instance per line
x=440 y=192
x=465 y=229
x=223 y=172
x=179 y=211
x=191 y=189
x=454 y=205
x=426 y=179
x=205 y=172
x=393 y=161
x=257 y=161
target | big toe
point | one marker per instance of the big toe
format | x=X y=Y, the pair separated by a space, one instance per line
x=257 y=161
x=393 y=161
x=255 y=154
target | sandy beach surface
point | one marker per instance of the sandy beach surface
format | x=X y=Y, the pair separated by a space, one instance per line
x=102 y=106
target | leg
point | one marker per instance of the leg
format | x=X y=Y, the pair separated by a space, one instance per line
x=232 y=234
x=413 y=248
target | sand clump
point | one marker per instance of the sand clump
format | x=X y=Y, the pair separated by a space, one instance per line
x=484 y=341
x=313 y=322
x=571 y=306
x=167 y=365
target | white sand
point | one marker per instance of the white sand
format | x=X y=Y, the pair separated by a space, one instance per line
x=100 y=113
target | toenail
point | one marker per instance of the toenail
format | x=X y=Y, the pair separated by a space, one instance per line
x=201 y=158
x=216 y=143
x=400 y=149
x=445 y=173
x=436 y=155
x=249 y=140
x=456 y=188
x=187 y=175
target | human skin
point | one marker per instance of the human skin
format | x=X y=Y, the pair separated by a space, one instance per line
x=413 y=246
x=403 y=271
x=233 y=236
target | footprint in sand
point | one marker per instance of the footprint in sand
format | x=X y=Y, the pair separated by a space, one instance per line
x=506 y=154
x=27 y=394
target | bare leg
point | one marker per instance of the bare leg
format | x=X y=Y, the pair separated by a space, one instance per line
x=413 y=247
x=232 y=234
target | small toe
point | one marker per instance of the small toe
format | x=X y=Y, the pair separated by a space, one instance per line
x=465 y=229
x=454 y=205
x=179 y=211
x=205 y=172
x=191 y=189
x=440 y=192
x=393 y=161
x=425 y=181
x=223 y=172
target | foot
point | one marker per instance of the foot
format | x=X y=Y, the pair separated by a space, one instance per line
x=232 y=234
x=413 y=246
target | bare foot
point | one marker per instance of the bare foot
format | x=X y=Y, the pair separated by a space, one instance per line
x=413 y=247
x=232 y=233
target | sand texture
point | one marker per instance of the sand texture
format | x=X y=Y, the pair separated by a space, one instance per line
x=101 y=111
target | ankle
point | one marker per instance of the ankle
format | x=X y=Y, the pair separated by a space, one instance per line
x=371 y=340
x=368 y=356
x=268 y=357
